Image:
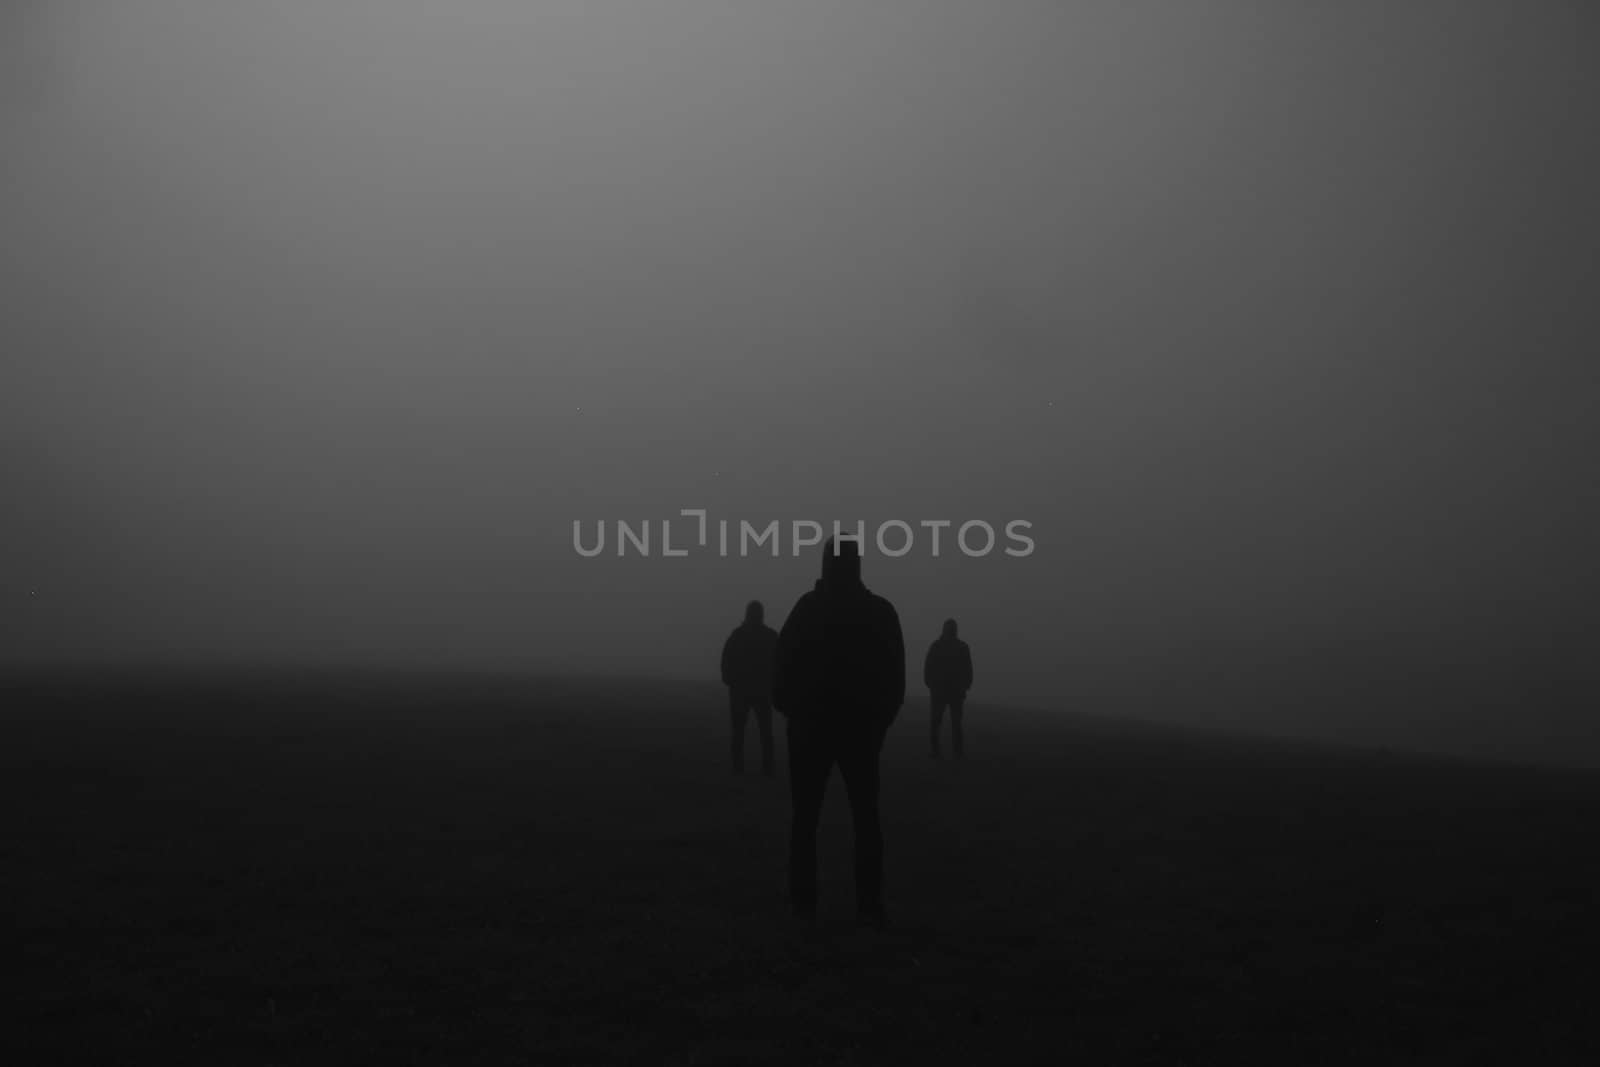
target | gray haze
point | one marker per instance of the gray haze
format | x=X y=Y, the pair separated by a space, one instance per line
x=322 y=321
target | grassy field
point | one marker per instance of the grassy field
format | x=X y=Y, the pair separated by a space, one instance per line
x=321 y=869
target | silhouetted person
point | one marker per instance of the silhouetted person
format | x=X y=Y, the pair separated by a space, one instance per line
x=841 y=678
x=947 y=672
x=747 y=666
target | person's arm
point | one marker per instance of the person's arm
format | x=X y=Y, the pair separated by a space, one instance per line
x=927 y=667
x=897 y=664
x=768 y=658
x=966 y=667
x=785 y=669
x=727 y=659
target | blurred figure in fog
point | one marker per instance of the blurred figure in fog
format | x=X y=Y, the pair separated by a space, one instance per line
x=747 y=666
x=947 y=672
x=840 y=682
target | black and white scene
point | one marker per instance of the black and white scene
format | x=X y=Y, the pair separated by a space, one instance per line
x=800 y=532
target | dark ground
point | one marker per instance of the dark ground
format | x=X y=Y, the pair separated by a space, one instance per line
x=323 y=869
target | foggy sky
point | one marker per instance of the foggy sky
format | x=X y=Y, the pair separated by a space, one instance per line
x=322 y=322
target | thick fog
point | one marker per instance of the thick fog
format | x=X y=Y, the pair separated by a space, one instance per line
x=323 y=321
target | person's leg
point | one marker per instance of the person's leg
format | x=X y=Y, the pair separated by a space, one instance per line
x=737 y=710
x=935 y=715
x=764 y=724
x=957 y=742
x=809 y=763
x=858 y=765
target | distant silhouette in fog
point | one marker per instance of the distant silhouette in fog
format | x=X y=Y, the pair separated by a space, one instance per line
x=748 y=660
x=840 y=681
x=947 y=672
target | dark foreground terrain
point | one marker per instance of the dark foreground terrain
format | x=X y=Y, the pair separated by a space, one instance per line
x=320 y=869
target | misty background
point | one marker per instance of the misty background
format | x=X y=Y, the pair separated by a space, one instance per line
x=320 y=323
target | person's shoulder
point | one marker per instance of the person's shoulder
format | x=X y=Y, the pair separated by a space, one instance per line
x=804 y=604
x=882 y=607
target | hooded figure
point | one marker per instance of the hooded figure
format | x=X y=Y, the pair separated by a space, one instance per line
x=947 y=672
x=840 y=681
x=747 y=663
x=841 y=655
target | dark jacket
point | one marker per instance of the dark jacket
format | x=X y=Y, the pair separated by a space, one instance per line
x=948 y=668
x=841 y=657
x=748 y=657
